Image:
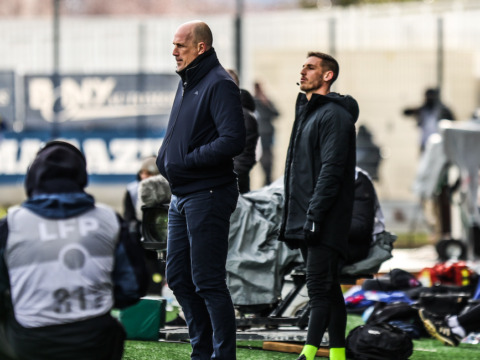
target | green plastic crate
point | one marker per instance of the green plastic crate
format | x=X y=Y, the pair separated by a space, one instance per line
x=144 y=320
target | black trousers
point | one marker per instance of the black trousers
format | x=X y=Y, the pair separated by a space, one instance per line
x=243 y=183
x=100 y=338
x=470 y=320
x=197 y=249
x=6 y=351
x=327 y=305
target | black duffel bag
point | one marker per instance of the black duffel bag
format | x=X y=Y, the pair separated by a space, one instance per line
x=380 y=341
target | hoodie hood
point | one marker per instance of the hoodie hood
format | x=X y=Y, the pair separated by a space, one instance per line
x=345 y=101
x=60 y=206
x=56 y=180
x=59 y=167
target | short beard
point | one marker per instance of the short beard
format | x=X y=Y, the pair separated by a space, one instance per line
x=311 y=87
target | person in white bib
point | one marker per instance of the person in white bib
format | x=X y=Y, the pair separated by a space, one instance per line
x=65 y=262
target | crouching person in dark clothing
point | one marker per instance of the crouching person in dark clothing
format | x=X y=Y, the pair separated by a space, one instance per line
x=64 y=263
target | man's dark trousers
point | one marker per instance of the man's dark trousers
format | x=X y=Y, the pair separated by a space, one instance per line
x=197 y=246
x=327 y=305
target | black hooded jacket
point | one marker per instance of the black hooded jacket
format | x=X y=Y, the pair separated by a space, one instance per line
x=320 y=170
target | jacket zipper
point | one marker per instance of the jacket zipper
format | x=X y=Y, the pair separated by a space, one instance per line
x=301 y=119
x=167 y=141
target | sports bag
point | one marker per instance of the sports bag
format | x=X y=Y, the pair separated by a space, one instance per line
x=398 y=310
x=379 y=341
x=444 y=304
x=399 y=314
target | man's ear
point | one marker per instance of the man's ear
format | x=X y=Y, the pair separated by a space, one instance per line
x=328 y=75
x=201 y=48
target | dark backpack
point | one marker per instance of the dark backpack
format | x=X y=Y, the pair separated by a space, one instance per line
x=385 y=312
x=397 y=279
x=378 y=342
x=399 y=314
x=444 y=304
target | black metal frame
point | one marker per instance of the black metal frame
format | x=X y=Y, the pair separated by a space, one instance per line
x=155 y=238
x=277 y=319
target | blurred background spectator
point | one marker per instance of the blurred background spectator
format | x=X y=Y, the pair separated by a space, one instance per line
x=267 y=112
x=244 y=162
x=429 y=114
x=368 y=153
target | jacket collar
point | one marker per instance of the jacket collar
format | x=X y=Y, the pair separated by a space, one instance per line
x=315 y=101
x=345 y=101
x=304 y=104
x=198 y=68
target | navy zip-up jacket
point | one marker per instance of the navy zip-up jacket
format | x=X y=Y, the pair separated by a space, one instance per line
x=205 y=131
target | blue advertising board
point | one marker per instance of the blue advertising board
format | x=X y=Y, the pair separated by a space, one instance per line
x=116 y=120
x=112 y=157
x=99 y=101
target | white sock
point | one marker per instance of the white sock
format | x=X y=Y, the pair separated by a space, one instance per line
x=453 y=323
x=460 y=331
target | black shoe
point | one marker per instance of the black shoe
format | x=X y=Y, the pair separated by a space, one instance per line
x=178 y=321
x=302 y=357
x=438 y=328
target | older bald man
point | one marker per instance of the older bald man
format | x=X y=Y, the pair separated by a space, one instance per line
x=205 y=132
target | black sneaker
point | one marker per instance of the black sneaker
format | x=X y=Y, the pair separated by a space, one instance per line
x=438 y=328
x=302 y=357
x=178 y=321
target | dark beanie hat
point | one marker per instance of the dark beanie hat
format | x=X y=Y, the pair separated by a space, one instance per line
x=59 y=167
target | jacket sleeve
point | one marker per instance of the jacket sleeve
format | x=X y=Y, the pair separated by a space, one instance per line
x=130 y=275
x=335 y=141
x=227 y=114
x=244 y=162
x=4 y=279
